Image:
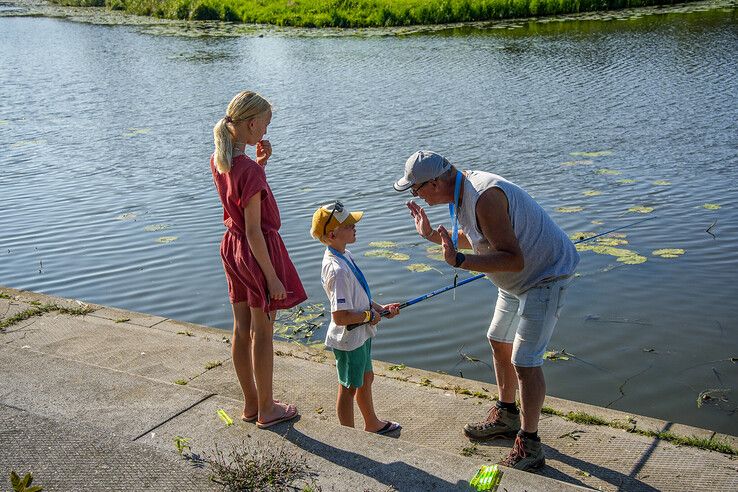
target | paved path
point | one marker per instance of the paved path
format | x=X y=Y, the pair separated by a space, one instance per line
x=90 y=403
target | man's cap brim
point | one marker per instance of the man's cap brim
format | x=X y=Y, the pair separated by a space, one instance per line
x=402 y=184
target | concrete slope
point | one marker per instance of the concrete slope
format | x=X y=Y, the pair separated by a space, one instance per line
x=102 y=389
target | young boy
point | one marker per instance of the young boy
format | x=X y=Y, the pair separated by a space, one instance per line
x=351 y=304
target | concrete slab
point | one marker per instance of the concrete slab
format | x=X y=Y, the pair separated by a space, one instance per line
x=115 y=377
x=65 y=456
x=120 y=403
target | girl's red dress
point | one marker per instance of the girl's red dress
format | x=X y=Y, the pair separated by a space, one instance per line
x=246 y=281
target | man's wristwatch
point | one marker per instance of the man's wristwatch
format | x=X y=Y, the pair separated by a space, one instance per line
x=368 y=316
x=459 y=259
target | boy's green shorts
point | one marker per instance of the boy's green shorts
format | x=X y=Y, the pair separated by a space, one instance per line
x=352 y=365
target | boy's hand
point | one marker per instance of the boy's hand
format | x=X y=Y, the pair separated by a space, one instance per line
x=393 y=308
x=263 y=152
x=375 y=317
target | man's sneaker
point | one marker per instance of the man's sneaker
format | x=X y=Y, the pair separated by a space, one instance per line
x=526 y=455
x=499 y=423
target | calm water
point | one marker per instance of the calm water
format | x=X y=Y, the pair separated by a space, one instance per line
x=105 y=133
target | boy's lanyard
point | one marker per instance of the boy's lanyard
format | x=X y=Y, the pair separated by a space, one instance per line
x=357 y=273
x=453 y=210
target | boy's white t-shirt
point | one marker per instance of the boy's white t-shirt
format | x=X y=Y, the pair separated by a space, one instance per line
x=344 y=293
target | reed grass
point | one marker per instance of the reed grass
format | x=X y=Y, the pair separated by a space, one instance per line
x=358 y=13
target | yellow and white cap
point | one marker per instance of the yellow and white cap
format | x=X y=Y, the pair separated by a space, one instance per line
x=328 y=217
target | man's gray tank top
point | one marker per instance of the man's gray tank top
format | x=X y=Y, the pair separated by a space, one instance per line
x=548 y=252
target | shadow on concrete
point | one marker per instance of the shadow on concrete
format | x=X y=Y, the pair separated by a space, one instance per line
x=617 y=479
x=398 y=474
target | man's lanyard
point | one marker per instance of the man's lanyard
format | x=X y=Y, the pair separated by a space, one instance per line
x=357 y=273
x=453 y=210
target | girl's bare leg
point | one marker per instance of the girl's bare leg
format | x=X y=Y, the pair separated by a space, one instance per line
x=241 y=353
x=345 y=405
x=366 y=404
x=262 y=331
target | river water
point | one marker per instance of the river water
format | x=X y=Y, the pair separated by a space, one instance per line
x=106 y=194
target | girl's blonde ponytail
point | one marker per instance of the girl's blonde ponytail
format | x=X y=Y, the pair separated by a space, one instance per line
x=244 y=106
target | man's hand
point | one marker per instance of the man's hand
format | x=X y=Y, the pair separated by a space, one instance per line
x=375 y=317
x=449 y=251
x=263 y=152
x=422 y=224
x=393 y=308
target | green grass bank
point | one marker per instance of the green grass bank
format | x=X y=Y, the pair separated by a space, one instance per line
x=358 y=13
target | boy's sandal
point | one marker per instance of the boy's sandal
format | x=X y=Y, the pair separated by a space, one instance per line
x=388 y=427
x=289 y=414
x=252 y=418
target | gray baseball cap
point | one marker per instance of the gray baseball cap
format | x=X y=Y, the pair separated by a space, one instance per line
x=420 y=167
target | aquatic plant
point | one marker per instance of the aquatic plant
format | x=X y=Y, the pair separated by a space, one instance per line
x=361 y=13
x=668 y=252
x=390 y=255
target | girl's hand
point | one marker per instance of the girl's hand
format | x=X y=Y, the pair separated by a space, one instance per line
x=276 y=289
x=449 y=252
x=393 y=308
x=422 y=224
x=263 y=152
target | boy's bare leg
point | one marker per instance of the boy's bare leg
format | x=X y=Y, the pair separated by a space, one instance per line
x=366 y=404
x=345 y=405
x=262 y=355
x=241 y=353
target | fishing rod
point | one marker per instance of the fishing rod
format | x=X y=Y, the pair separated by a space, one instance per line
x=480 y=275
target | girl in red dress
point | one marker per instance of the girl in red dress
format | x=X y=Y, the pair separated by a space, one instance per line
x=261 y=278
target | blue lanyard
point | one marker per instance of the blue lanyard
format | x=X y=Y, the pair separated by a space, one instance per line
x=453 y=210
x=357 y=273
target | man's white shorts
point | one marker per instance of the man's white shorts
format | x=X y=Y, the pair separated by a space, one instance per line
x=528 y=320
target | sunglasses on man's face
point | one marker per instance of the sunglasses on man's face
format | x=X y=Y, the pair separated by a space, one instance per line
x=337 y=207
x=415 y=191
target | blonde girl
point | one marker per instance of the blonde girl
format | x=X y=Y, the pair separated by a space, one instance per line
x=261 y=278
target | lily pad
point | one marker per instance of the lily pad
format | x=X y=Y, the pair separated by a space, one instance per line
x=390 y=255
x=383 y=244
x=668 y=252
x=580 y=236
x=641 y=209
x=577 y=163
x=26 y=143
x=419 y=267
x=625 y=181
x=132 y=132
x=569 y=210
x=557 y=355
x=609 y=172
x=435 y=253
x=156 y=227
x=711 y=206
x=623 y=255
x=166 y=239
x=599 y=153
x=591 y=193
x=661 y=182
x=127 y=216
x=611 y=241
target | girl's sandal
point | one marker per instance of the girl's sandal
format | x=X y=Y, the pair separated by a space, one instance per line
x=289 y=414
x=252 y=418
